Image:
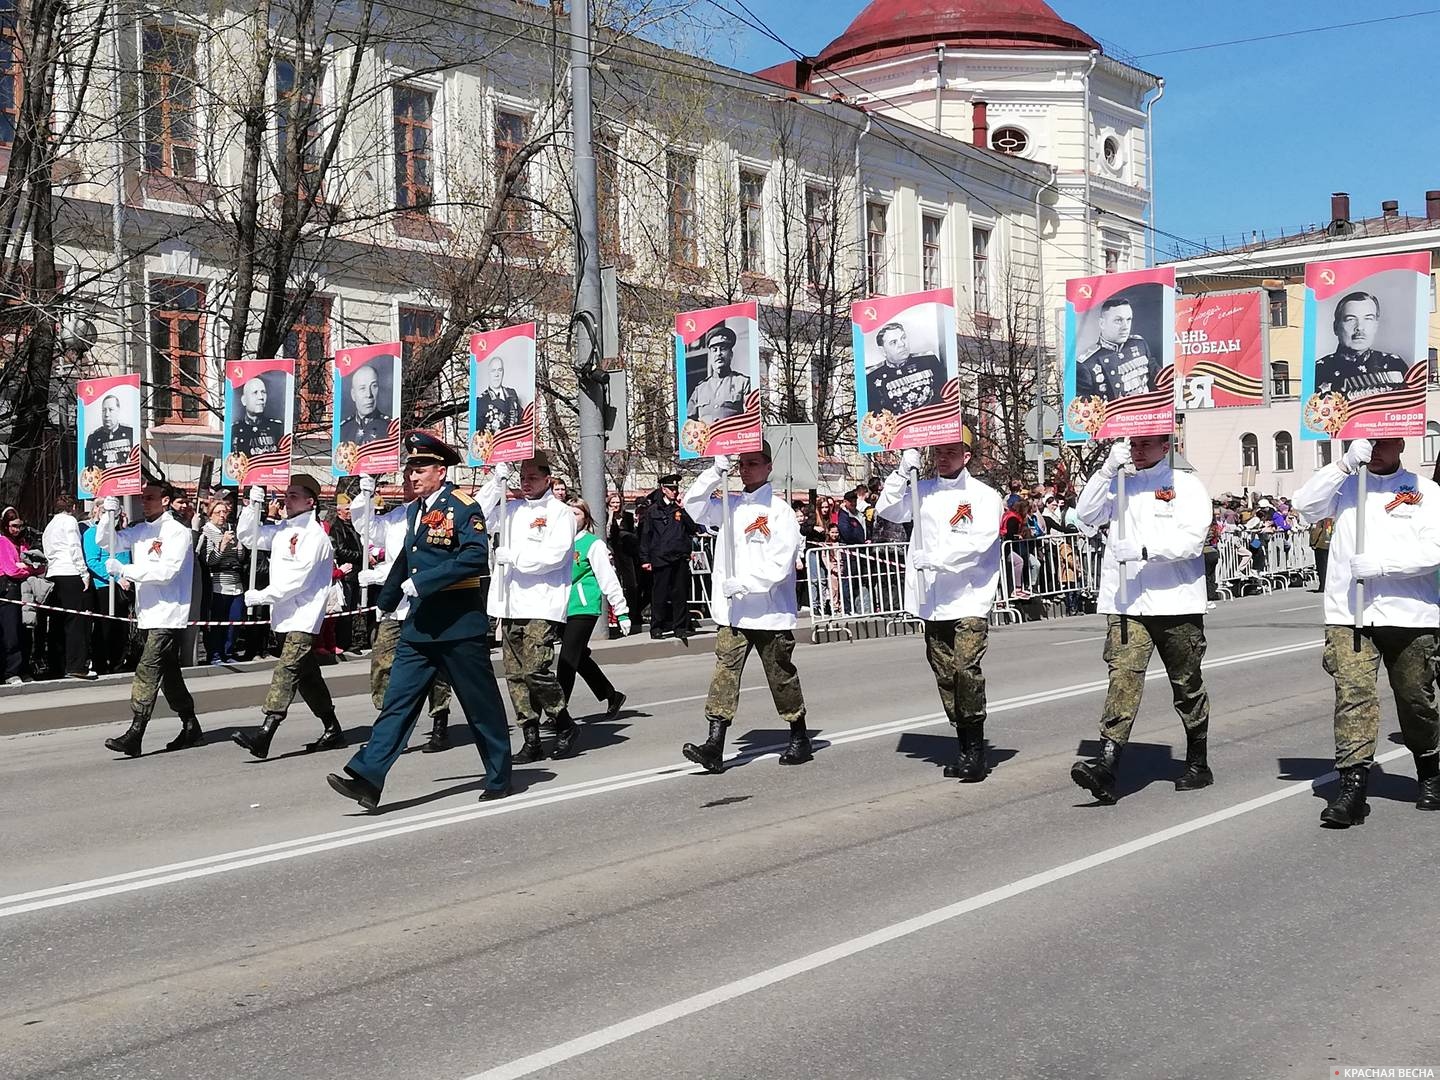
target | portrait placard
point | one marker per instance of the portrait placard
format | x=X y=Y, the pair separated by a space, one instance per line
x=107 y=419
x=717 y=381
x=502 y=396
x=365 y=432
x=259 y=423
x=907 y=393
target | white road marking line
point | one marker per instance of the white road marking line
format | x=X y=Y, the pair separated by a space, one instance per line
x=1302 y=607
x=153 y=877
x=648 y=1021
x=1078 y=640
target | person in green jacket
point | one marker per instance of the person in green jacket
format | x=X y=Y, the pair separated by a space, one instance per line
x=594 y=575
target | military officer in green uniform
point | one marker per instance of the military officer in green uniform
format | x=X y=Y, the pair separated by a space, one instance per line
x=438 y=571
x=722 y=392
x=1356 y=369
x=255 y=433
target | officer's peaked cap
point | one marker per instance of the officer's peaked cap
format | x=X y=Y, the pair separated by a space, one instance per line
x=721 y=334
x=426 y=449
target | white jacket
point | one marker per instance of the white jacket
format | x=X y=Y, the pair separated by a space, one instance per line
x=162 y=565
x=764 y=543
x=960 y=531
x=387 y=531
x=64 y=551
x=539 y=534
x=1405 y=535
x=1171 y=579
x=302 y=565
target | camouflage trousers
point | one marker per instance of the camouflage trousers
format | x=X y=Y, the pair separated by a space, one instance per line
x=1409 y=656
x=732 y=648
x=528 y=646
x=298 y=671
x=382 y=659
x=159 y=671
x=955 y=648
x=1180 y=640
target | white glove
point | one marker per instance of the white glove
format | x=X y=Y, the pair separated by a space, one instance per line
x=1357 y=455
x=367 y=485
x=623 y=621
x=114 y=568
x=733 y=588
x=1127 y=549
x=501 y=472
x=503 y=557
x=921 y=561
x=1119 y=458
x=112 y=504
x=910 y=462
x=255 y=598
x=370 y=577
x=1366 y=567
x=407 y=587
x=721 y=463
x=257 y=496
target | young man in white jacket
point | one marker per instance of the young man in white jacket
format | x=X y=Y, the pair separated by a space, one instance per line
x=752 y=592
x=951 y=575
x=1400 y=622
x=1158 y=549
x=302 y=565
x=533 y=547
x=162 y=566
x=387 y=532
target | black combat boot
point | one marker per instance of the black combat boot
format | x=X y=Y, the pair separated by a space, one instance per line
x=190 y=735
x=129 y=743
x=1097 y=775
x=332 y=738
x=970 y=765
x=799 y=751
x=567 y=734
x=258 y=742
x=711 y=753
x=439 y=739
x=532 y=749
x=1197 y=772
x=1427 y=771
x=1349 y=807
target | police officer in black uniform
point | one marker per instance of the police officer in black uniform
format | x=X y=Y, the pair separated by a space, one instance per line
x=1121 y=364
x=665 y=548
x=254 y=433
x=1355 y=369
x=109 y=445
x=369 y=422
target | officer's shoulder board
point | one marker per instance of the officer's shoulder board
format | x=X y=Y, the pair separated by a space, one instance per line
x=462 y=498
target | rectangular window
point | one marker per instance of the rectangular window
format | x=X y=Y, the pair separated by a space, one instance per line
x=1280 y=379
x=308 y=344
x=511 y=134
x=680 y=184
x=1112 y=260
x=1433 y=367
x=876 y=239
x=414 y=154
x=752 y=222
x=1279 y=307
x=171 y=140
x=1322 y=453
x=177 y=350
x=12 y=78
x=980 y=256
x=304 y=103
x=418 y=328
x=607 y=194
x=818 y=239
x=931 y=226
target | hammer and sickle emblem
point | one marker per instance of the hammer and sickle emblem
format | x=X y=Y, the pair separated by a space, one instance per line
x=345 y=361
x=870 y=313
x=1086 y=291
x=235 y=372
x=689 y=325
x=481 y=345
x=1327 y=277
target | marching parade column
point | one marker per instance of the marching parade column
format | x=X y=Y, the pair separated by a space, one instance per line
x=951 y=574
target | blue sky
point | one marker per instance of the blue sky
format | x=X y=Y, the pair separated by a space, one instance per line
x=1248 y=136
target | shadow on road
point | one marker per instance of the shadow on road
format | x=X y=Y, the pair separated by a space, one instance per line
x=1141 y=765
x=940 y=749
x=1383 y=785
x=521 y=780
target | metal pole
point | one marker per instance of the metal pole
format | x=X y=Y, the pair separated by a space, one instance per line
x=1122 y=503
x=726 y=540
x=255 y=547
x=586 y=324
x=916 y=535
x=1362 y=485
x=114 y=531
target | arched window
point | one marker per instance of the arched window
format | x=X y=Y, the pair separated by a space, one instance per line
x=1249 y=452
x=1432 y=442
x=1284 y=451
x=1280 y=379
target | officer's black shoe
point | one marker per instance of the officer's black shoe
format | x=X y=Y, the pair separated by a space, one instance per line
x=352 y=787
x=1427 y=771
x=491 y=794
x=970 y=765
x=1197 y=772
x=711 y=753
x=614 y=703
x=439 y=739
x=532 y=749
x=1097 y=775
x=129 y=743
x=190 y=735
x=332 y=738
x=799 y=751
x=567 y=734
x=258 y=742
x=1349 y=807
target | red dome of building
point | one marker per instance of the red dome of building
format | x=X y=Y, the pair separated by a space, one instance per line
x=894 y=27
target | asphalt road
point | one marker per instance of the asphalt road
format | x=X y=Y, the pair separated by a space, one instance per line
x=203 y=915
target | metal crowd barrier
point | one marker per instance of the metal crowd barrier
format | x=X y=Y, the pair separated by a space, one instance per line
x=855 y=587
x=1284 y=560
x=1053 y=575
